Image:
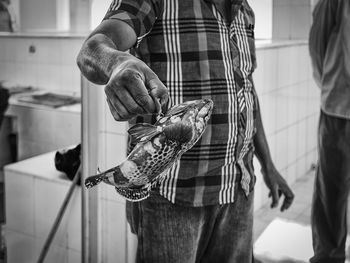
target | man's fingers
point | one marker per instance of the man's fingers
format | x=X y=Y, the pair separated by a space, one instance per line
x=158 y=92
x=288 y=199
x=118 y=115
x=275 y=196
x=134 y=83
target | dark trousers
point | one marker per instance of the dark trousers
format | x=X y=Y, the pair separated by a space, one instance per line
x=331 y=189
x=4 y=96
x=169 y=233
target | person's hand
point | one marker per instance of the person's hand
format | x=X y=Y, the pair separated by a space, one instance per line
x=278 y=187
x=134 y=89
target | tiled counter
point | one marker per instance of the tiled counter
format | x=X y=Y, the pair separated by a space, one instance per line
x=34 y=192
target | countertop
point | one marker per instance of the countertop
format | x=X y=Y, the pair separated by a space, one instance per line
x=42 y=166
x=15 y=96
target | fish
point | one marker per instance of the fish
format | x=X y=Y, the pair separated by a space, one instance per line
x=157 y=148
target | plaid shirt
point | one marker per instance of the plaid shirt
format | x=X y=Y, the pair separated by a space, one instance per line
x=197 y=54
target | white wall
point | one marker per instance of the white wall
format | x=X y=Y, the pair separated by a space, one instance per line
x=289 y=102
x=44 y=15
x=52 y=66
x=98 y=11
x=263 y=18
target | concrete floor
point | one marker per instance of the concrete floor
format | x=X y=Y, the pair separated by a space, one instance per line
x=279 y=229
x=298 y=212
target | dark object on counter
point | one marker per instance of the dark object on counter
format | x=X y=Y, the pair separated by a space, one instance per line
x=68 y=161
x=13 y=141
x=4 y=101
x=50 y=99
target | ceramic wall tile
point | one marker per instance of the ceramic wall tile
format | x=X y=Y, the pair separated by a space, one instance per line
x=282 y=107
x=111 y=194
x=19 y=202
x=116 y=147
x=290 y=174
x=292 y=144
x=293 y=102
x=281 y=20
x=271 y=70
x=68 y=126
x=35 y=66
x=132 y=246
x=48 y=198
x=70 y=54
x=114 y=248
x=311 y=133
x=284 y=76
x=293 y=61
x=301 y=167
x=304 y=63
x=73 y=218
x=8 y=71
x=20 y=248
x=301 y=142
x=282 y=149
x=74 y=256
x=301 y=21
x=56 y=253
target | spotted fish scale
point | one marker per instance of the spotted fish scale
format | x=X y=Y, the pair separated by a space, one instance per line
x=157 y=148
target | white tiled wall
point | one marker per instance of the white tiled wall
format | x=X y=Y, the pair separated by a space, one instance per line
x=290 y=106
x=291 y=19
x=51 y=67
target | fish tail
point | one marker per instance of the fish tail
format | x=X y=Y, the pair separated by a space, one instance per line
x=94 y=180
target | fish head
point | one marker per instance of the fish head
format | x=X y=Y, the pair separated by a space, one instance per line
x=194 y=115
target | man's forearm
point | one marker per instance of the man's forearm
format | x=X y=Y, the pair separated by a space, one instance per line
x=262 y=151
x=98 y=57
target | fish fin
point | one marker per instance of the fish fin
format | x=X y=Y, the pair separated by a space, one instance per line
x=143 y=131
x=94 y=180
x=176 y=109
x=179 y=132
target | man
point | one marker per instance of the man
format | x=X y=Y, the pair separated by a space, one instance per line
x=7 y=17
x=329 y=45
x=203 y=210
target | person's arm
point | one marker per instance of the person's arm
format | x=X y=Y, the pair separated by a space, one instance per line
x=273 y=179
x=324 y=23
x=132 y=88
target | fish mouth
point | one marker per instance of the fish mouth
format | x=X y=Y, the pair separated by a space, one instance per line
x=205 y=108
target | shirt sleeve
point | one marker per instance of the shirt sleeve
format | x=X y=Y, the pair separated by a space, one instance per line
x=324 y=24
x=139 y=14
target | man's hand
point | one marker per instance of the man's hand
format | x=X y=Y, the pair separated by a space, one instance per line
x=134 y=89
x=278 y=186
